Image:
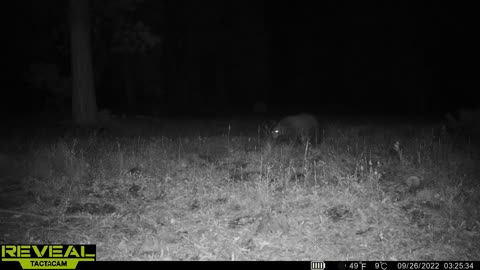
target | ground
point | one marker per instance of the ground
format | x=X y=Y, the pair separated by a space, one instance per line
x=144 y=188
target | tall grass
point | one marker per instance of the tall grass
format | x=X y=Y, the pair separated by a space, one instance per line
x=366 y=193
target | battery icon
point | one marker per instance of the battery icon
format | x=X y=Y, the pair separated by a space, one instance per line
x=317 y=265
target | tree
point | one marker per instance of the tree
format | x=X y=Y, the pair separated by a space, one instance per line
x=131 y=39
x=84 y=107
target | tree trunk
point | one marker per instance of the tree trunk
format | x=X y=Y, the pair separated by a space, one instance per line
x=84 y=107
x=128 y=78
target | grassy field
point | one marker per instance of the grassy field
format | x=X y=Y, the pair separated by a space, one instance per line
x=166 y=189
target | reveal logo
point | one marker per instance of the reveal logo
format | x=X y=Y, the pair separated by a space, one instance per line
x=48 y=256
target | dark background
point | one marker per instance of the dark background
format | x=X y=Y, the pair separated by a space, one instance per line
x=227 y=57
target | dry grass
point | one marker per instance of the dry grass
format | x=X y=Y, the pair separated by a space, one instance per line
x=366 y=193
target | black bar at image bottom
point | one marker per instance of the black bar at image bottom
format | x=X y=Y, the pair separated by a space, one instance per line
x=393 y=265
x=294 y=265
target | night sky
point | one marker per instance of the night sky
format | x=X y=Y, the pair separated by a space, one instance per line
x=222 y=57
